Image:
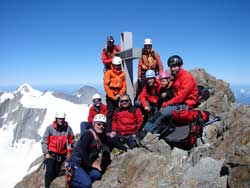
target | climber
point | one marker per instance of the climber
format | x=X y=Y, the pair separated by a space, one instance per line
x=86 y=168
x=57 y=140
x=97 y=108
x=115 y=86
x=150 y=60
x=127 y=122
x=108 y=52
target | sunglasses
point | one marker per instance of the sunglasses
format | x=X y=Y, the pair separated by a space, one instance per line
x=174 y=64
x=100 y=124
x=97 y=100
x=124 y=101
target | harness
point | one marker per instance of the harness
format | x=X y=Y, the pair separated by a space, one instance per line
x=149 y=62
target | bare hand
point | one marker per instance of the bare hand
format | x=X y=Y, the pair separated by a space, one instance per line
x=117 y=97
x=96 y=165
x=112 y=134
x=163 y=95
x=147 y=108
x=47 y=156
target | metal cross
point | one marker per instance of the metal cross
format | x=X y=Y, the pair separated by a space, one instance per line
x=127 y=55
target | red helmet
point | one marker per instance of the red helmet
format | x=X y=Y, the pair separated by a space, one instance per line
x=164 y=74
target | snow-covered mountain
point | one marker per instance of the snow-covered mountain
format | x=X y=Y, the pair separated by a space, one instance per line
x=24 y=116
x=242 y=93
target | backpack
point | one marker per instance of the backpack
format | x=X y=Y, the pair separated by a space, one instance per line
x=185 y=127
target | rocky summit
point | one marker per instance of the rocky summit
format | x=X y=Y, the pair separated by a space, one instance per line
x=222 y=162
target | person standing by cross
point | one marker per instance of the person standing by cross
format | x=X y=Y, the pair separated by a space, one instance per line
x=115 y=86
x=150 y=60
x=108 y=52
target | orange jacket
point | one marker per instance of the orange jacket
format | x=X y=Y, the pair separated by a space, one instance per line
x=107 y=57
x=149 y=61
x=185 y=89
x=150 y=95
x=114 y=82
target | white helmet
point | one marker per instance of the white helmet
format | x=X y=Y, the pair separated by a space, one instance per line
x=96 y=96
x=60 y=114
x=100 y=118
x=117 y=61
x=148 y=41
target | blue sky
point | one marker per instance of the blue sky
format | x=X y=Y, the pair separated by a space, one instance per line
x=57 y=42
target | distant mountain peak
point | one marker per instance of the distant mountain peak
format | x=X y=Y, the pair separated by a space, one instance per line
x=27 y=89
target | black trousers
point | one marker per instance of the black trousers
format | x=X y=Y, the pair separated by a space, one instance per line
x=53 y=168
x=111 y=105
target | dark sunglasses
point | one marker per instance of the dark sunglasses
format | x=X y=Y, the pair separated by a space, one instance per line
x=174 y=64
x=124 y=101
x=100 y=124
x=97 y=100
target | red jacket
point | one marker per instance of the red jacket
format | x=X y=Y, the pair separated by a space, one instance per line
x=93 y=111
x=57 y=141
x=150 y=95
x=108 y=57
x=127 y=122
x=185 y=89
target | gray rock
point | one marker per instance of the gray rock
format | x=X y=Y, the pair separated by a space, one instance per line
x=205 y=174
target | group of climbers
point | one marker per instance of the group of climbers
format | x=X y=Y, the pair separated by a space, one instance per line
x=118 y=123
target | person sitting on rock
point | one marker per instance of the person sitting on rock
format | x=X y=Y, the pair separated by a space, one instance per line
x=185 y=92
x=56 y=142
x=149 y=96
x=85 y=167
x=166 y=91
x=127 y=122
x=97 y=108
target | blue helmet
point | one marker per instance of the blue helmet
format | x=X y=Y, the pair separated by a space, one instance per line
x=150 y=74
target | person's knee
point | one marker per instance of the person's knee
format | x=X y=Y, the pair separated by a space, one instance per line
x=83 y=183
x=80 y=179
x=95 y=175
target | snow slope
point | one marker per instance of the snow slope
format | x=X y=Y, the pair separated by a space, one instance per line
x=16 y=158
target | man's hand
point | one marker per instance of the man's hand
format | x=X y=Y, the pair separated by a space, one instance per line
x=117 y=97
x=112 y=134
x=47 y=156
x=147 y=108
x=96 y=165
x=163 y=95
